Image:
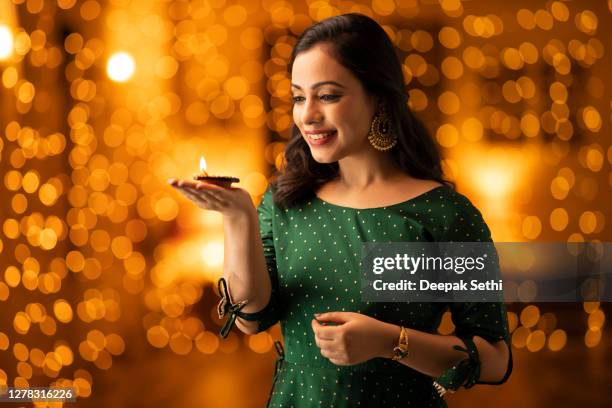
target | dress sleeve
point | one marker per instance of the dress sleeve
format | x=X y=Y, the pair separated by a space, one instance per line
x=270 y=314
x=484 y=319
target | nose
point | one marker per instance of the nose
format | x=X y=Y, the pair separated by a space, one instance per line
x=311 y=112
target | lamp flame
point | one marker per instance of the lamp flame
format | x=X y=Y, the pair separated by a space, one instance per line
x=202 y=164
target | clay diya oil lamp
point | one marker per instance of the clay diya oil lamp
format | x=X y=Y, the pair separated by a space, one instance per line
x=222 y=181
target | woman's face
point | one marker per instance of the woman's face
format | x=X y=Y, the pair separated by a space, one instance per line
x=331 y=108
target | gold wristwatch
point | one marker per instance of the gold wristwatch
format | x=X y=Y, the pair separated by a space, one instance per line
x=401 y=350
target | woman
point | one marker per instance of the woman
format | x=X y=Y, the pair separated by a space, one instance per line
x=359 y=167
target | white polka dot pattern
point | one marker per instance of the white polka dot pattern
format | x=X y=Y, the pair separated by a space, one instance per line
x=313 y=254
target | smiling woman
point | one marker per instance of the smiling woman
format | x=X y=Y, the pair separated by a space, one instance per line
x=349 y=96
x=358 y=168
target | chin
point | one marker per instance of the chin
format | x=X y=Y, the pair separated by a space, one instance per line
x=324 y=158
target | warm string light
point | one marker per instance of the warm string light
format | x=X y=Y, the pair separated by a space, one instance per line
x=6 y=42
x=120 y=67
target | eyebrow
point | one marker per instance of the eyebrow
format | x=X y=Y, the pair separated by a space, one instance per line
x=318 y=84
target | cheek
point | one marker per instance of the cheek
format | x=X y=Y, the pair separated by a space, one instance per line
x=355 y=122
x=296 y=117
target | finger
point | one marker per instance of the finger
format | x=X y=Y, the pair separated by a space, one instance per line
x=338 y=362
x=324 y=343
x=208 y=196
x=195 y=198
x=201 y=185
x=225 y=195
x=187 y=183
x=334 y=317
x=328 y=353
x=202 y=189
x=187 y=192
x=215 y=194
x=179 y=184
x=324 y=338
x=209 y=202
x=324 y=332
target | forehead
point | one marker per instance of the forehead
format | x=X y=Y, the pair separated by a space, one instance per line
x=316 y=65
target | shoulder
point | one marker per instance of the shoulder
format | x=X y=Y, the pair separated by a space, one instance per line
x=459 y=203
x=267 y=197
x=461 y=219
x=266 y=207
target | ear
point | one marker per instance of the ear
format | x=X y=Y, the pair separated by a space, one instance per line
x=375 y=102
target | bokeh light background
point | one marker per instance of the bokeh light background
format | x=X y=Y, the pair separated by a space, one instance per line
x=107 y=273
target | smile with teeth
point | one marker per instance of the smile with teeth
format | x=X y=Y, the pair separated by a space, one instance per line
x=318 y=136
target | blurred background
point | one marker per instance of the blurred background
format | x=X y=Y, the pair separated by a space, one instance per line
x=107 y=274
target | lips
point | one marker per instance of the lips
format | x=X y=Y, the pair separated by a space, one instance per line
x=319 y=137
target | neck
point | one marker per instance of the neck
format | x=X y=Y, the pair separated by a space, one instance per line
x=362 y=170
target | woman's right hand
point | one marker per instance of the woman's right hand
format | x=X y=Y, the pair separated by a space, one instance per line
x=232 y=202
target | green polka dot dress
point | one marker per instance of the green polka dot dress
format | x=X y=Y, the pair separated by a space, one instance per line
x=313 y=254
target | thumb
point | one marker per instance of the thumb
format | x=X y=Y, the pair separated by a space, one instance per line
x=338 y=317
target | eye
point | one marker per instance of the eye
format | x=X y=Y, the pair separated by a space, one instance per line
x=297 y=99
x=329 y=97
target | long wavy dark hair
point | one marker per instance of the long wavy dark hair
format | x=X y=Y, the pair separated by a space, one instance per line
x=361 y=45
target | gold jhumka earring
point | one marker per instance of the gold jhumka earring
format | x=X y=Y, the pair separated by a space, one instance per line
x=380 y=135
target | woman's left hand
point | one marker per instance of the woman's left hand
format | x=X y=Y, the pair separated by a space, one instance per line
x=356 y=337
